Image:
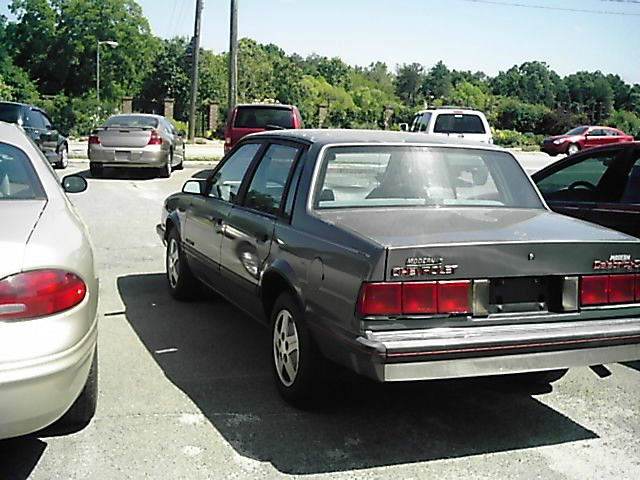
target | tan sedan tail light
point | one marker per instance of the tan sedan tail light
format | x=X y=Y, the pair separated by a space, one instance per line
x=39 y=293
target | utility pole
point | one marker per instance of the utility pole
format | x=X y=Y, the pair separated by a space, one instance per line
x=194 y=72
x=233 y=57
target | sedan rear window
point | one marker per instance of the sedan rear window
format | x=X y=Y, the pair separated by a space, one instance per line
x=381 y=176
x=458 y=123
x=261 y=117
x=18 y=181
x=132 y=121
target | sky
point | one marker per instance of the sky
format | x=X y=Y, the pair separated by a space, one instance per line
x=486 y=35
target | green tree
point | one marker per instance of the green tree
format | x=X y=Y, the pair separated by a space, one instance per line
x=438 y=82
x=409 y=80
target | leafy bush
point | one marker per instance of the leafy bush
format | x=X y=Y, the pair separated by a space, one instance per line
x=513 y=138
x=628 y=122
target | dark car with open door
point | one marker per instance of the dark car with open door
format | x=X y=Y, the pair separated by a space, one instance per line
x=601 y=185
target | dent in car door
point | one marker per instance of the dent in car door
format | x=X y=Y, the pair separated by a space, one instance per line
x=248 y=234
x=206 y=217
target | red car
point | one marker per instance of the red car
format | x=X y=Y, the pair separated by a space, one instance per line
x=583 y=137
x=246 y=119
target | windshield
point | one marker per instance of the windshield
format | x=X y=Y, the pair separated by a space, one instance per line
x=9 y=113
x=261 y=117
x=576 y=131
x=18 y=181
x=132 y=121
x=375 y=176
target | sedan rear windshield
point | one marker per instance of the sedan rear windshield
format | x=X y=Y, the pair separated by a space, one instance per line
x=9 y=113
x=458 y=123
x=263 y=117
x=408 y=176
x=132 y=121
x=18 y=180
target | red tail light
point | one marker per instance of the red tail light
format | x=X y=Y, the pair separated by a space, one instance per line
x=609 y=289
x=414 y=298
x=594 y=290
x=621 y=288
x=420 y=297
x=39 y=293
x=380 y=299
x=453 y=297
x=94 y=139
x=155 y=138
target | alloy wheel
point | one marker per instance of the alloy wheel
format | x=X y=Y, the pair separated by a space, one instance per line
x=173 y=262
x=286 y=351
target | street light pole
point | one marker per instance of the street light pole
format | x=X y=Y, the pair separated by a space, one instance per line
x=112 y=44
x=195 y=46
x=233 y=57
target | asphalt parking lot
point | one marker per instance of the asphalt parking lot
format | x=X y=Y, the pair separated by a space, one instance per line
x=186 y=391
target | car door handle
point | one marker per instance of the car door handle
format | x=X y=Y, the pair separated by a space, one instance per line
x=264 y=238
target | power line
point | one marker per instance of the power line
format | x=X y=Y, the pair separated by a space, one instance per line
x=622 y=1
x=547 y=7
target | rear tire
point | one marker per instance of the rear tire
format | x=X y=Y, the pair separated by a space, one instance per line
x=181 y=165
x=96 y=170
x=63 y=157
x=183 y=285
x=165 y=170
x=296 y=361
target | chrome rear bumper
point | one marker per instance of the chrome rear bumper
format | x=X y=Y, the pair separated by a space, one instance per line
x=494 y=350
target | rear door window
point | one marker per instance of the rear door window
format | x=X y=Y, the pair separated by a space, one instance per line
x=263 y=117
x=458 y=123
x=268 y=185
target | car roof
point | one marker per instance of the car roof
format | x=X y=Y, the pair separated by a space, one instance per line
x=12 y=134
x=148 y=115
x=330 y=136
x=450 y=109
x=265 y=105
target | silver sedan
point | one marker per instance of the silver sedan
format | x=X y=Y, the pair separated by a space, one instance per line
x=48 y=295
x=136 y=140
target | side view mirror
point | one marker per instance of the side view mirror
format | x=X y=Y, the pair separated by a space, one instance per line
x=74 y=184
x=404 y=127
x=193 y=186
x=182 y=133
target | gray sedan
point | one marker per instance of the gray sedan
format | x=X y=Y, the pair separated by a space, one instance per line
x=48 y=295
x=136 y=140
x=402 y=258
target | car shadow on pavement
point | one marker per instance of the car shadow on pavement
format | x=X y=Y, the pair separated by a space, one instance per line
x=122 y=174
x=19 y=456
x=221 y=360
x=634 y=365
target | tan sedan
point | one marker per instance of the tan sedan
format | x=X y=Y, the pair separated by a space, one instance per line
x=136 y=140
x=48 y=295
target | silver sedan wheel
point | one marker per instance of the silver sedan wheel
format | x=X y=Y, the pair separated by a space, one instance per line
x=173 y=262
x=286 y=352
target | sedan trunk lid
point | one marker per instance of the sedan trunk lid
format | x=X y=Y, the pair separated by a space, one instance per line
x=124 y=137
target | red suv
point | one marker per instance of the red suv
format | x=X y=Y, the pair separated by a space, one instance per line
x=246 y=119
x=583 y=137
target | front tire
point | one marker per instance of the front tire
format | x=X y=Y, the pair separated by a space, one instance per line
x=296 y=359
x=63 y=157
x=180 y=166
x=182 y=283
x=573 y=148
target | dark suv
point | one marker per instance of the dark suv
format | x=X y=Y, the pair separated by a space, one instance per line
x=38 y=126
x=258 y=117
